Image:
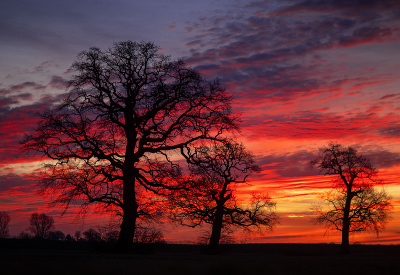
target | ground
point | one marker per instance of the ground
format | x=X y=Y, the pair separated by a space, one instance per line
x=58 y=258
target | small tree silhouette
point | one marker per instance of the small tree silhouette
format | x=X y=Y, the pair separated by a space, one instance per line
x=24 y=235
x=149 y=235
x=109 y=232
x=69 y=238
x=355 y=206
x=57 y=235
x=77 y=235
x=92 y=235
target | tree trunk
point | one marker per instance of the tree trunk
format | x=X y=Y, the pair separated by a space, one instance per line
x=130 y=213
x=344 y=249
x=218 y=219
x=216 y=231
x=215 y=234
x=129 y=176
x=128 y=225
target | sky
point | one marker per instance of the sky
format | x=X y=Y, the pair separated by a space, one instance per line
x=302 y=74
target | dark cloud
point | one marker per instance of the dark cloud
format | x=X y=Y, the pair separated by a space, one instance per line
x=207 y=67
x=12 y=180
x=390 y=96
x=381 y=158
x=292 y=165
x=289 y=165
x=306 y=125
x=356 y=7
x=43 y=67
x=392 y=131
x=279 y=53
x=367 y=34
x=24 y=96
x=6 y=100
x=58 y=82
x=27 y=85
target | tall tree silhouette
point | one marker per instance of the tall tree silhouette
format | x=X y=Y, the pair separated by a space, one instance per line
x=4 y=220
x=210 y=194
x=41 y=225
x=354 y=206
x=111 y=140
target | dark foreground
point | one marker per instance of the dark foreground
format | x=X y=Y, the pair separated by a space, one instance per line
x=33 y=257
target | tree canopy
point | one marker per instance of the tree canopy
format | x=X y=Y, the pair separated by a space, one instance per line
x=355 y=205
x=210 y=195
x=4 y=220
x=112 y=139
x=41 y=225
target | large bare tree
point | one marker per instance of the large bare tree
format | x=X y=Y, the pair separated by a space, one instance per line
x=112 y=140
x=210 y=195
x=354 y=205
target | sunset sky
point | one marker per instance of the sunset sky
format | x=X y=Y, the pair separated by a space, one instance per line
x=302 y=74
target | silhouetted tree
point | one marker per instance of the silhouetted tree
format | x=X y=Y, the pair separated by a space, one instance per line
x=355 y=206
x=57 y=235
x=148 y=235
x=69 y=238
x=226 y=237
x=4 y=220
x=41 y=225
x=109 y=232
x=209 y=197
x=109 y=140
x=77 y=235
x=111 y=236
x=92 y=235
x=24 y=235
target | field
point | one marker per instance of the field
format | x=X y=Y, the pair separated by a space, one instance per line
x=30 y=257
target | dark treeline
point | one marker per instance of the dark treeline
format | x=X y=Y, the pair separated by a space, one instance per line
x=41 y=227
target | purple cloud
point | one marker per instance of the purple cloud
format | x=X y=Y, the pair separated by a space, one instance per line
x=12 y=180
x=27 y=85
x=58 y=82
x=273 y=51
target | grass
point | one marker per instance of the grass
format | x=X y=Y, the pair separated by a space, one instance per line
x=34 y=257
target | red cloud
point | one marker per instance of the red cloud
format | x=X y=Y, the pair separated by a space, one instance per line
x=368 y=35
x=314 y=125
